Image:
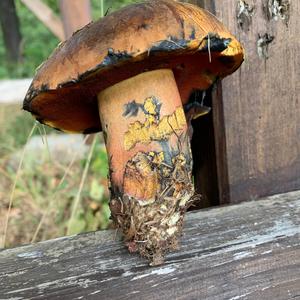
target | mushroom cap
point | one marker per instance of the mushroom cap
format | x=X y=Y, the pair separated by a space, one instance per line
x=156 y=34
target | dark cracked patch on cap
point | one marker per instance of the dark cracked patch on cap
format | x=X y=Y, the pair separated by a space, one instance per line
x=171 y=44
x=215 y=44
x=113 y=57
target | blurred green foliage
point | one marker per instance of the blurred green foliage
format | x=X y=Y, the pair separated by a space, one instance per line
x=37 y=44
x=38 y=41
x=41 y=195
x=18 y=130
x=38 y=189
x=14 y=128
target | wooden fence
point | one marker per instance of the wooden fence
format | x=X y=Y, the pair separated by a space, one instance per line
x=252 y=141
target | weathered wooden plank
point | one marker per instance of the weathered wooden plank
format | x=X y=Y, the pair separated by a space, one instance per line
x=245 y=251
x=261 y=100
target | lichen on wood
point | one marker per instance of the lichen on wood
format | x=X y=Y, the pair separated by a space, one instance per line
x=244 y=14
x=277 y=10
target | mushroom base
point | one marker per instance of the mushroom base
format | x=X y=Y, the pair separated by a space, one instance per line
x=150 y=161
x=153 y=227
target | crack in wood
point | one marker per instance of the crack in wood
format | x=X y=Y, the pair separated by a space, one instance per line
x=244 y=14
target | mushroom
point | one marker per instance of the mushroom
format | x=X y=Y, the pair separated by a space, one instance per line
x=129 y=75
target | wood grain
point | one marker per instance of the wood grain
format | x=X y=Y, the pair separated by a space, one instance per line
x=245 y=251
x=261 y=106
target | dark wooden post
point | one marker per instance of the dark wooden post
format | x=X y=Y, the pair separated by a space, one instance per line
x=256 y=114
x=209 y=146
x=11 y=30
x=261 y=100
x=75 y=14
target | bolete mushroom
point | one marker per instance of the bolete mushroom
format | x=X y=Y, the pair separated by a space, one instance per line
x=136 y=68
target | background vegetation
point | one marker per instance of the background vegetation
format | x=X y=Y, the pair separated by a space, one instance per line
x=38 y=41
x=45 y=190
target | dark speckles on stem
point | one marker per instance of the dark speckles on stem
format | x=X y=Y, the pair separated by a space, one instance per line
x=104 y=130
x=131 y=109
x=105 y=136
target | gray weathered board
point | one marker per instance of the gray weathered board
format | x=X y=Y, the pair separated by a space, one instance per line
x=245 y=251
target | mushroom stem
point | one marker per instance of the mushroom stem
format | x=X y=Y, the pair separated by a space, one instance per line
x=150 y=160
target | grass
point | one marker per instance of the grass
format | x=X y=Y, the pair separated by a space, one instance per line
x=40 y=194
x=12 y=194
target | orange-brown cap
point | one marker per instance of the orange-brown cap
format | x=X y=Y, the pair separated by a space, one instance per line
x=141 y=37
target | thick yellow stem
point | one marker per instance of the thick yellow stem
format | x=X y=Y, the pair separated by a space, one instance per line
x=150 y=161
